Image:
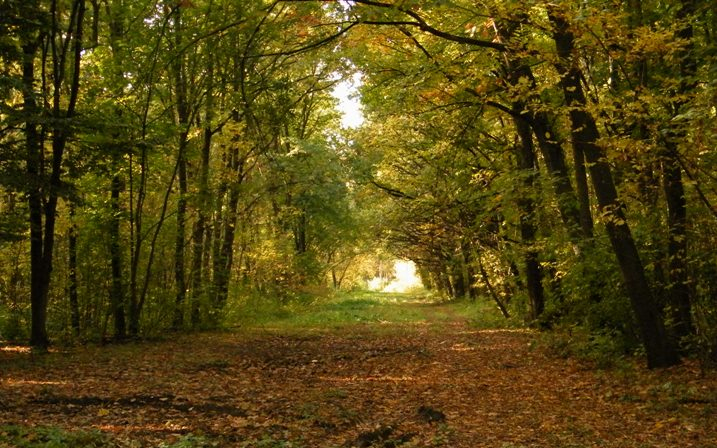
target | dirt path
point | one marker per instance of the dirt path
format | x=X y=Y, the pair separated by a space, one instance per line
x=436 y=384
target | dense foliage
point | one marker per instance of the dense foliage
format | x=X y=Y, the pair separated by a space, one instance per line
x=160 y=160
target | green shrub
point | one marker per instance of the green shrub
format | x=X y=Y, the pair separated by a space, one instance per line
x=14 y=436
x=49 y=437
x=13 y=324
x=601 y=350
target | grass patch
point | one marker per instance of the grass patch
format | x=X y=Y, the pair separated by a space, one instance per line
x=50 y=437
x=334 y=312
x=361 y=309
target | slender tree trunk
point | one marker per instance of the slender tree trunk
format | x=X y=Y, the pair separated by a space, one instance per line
x=199 y=242
x=198 y=235
x=680 y=307
x=72 y=268
x=661 y=351
x=179 y=275
x=35 y=172
x=300 y=233
x=470 y=273
x=224 y=262
x=225 y=234
x=183 y=122
x=43 y=206
x=136 y=239
x=554 y=158
x=334 y=278
x=216 y=244
x=496 y=298
x=124 y=304
x=680 y=301
x=217 y=232
x=117 y=297
x=455 y=270
x=583 y=192
x=546 y=137
x=526 y=122
x=528 y=229
x=153 y=245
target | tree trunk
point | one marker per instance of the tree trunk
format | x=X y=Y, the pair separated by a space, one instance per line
x=179 y=277
x=469 y=270
x=183 y=114
x=300 y=233
x=583 y=192
x=118 y=297
x=496 y=298
x=545 y=135
x=661 y=351
x=678 y=290
x=680 y=301
x=72 y=268
x=198 y=246
x=136 y=239
x=43 y=206
x=526 y=204
x=224 y=260
x=224 y=245
x=117 y=288
x=200 y=226
x=34 y=169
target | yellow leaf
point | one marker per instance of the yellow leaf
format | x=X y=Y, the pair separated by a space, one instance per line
x=103 y=412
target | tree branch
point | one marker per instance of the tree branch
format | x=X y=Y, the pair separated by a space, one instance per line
x=418 y=22
x=307 y=47
x=424 y=26
x=391 y=191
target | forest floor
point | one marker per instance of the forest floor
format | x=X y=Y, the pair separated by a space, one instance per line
x=435 y=382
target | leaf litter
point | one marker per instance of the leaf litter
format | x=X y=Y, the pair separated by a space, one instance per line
x=443 y=383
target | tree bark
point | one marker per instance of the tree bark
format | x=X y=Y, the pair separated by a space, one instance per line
x=528 y=228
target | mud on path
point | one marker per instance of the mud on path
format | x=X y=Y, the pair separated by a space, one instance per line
x=437 y=383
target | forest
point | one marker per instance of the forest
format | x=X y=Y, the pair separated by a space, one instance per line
x=166 y=166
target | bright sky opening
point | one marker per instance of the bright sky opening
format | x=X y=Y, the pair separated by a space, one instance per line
x=405 y=278
x=349 y=101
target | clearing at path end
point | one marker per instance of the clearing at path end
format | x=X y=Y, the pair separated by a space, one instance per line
x=438 y=383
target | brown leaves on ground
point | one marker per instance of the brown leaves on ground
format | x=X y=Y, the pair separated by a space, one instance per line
x=439 y=384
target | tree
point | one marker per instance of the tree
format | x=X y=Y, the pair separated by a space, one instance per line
x=585 y=138
x=63 y=36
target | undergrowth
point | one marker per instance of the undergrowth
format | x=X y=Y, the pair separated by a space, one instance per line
x=600 y=350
